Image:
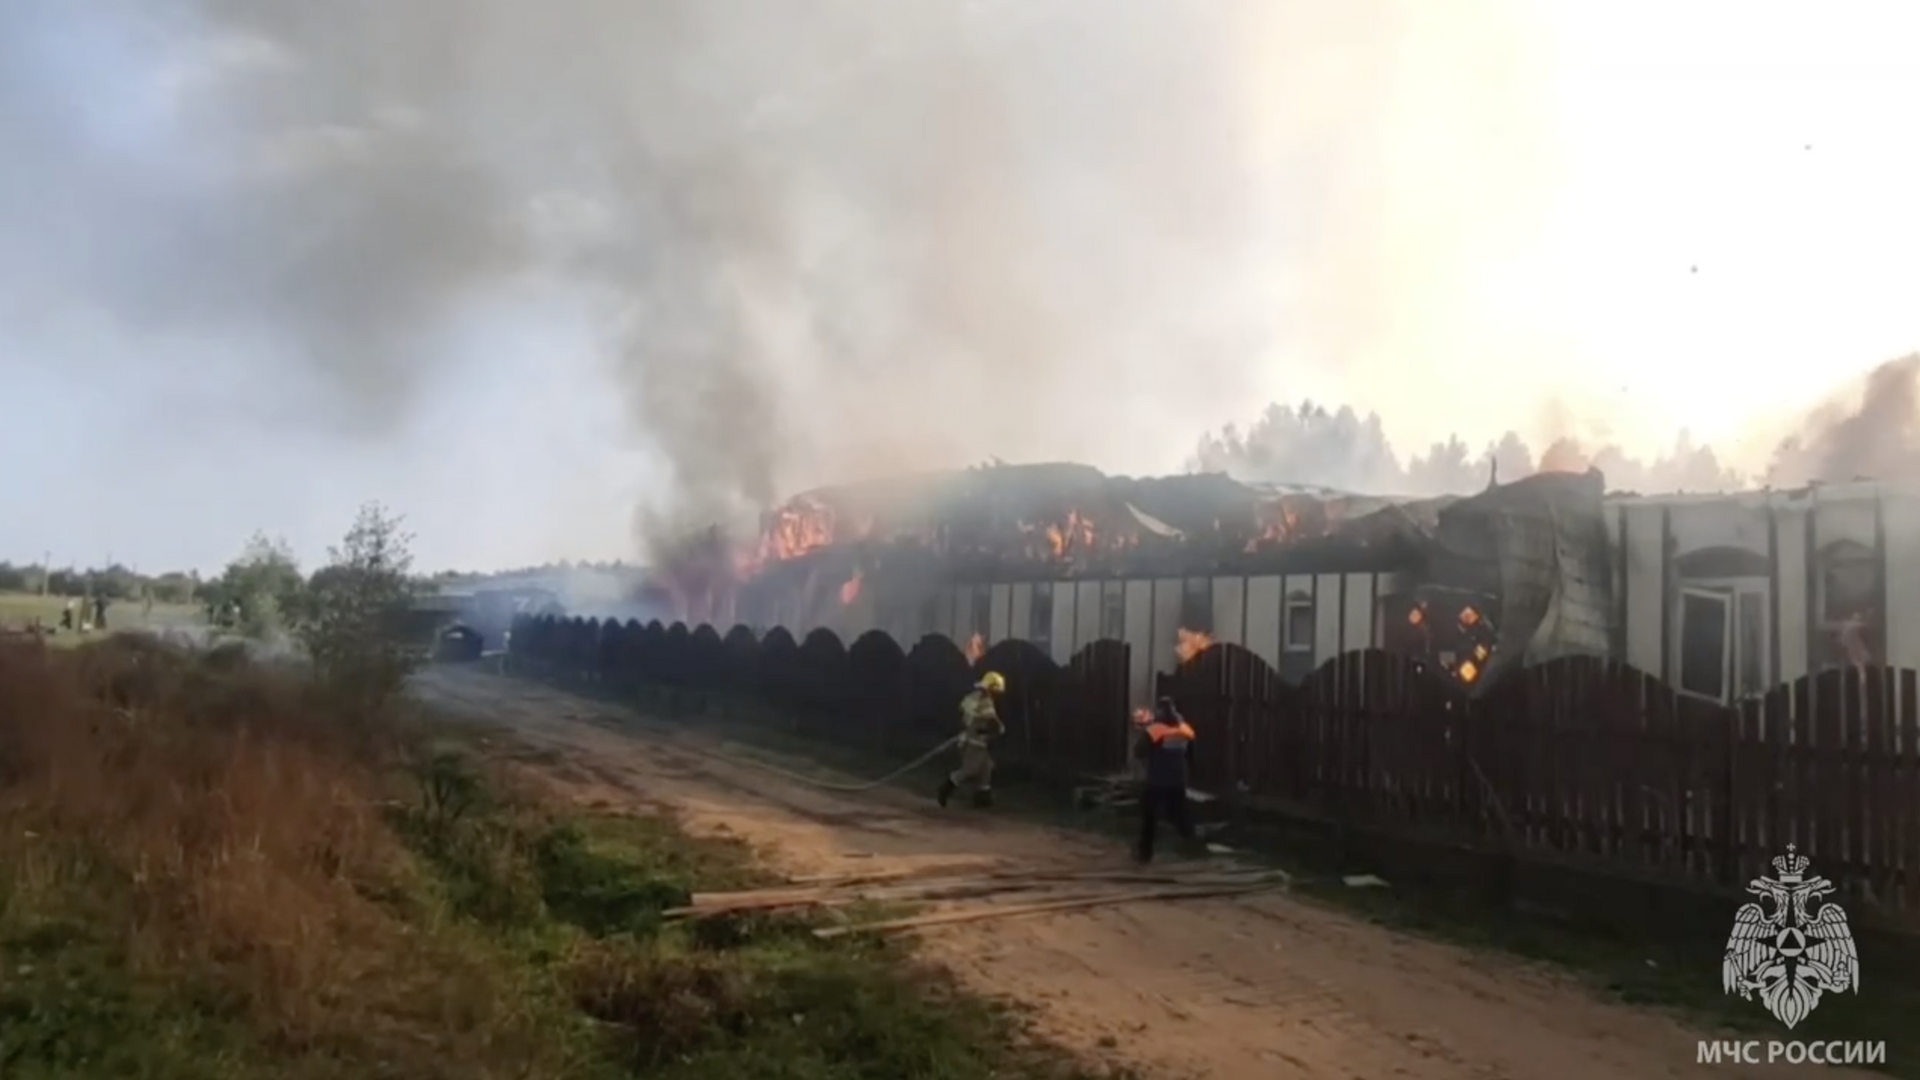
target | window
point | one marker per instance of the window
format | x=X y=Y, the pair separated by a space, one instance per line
x=1299 y=622
x=1705 y=642
x=1113 y=610
x=1040 y=615
x=1849 y=605
x=1723 y=647
x=1196 y=605
x=929 y=618
x=1848 y=580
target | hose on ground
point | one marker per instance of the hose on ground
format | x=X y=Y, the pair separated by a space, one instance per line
x=826 y=785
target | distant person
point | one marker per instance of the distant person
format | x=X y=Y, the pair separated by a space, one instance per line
x=66 y=617
x=146 y=607
x=99 y=613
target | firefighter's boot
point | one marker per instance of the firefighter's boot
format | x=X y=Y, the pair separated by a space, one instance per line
x=947 y=788
x=982 y=800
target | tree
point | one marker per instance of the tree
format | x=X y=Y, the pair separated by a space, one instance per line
x=1447 y=469
x=1513 y=457
x=260 y=592
x=354 y=620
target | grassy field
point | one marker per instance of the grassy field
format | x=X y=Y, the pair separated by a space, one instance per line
x=208 y=873
x=18 y=610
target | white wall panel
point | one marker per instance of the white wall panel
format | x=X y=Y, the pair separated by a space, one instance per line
x=1795 y=605
x=1086 y=614
x=1356 y=630
x=1263 y=618
x=1166 y=623
x=1065 y=597
x=1020 y=612
x=1140 y=639
x=1229 y=610
x=1645 y=575
x=1326 y=618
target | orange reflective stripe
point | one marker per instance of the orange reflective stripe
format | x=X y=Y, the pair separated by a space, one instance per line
x=1162 y=732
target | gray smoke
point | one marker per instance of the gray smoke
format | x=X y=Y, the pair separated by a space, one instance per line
x=823 y=238
x=1341 y=449
x=1876 y=437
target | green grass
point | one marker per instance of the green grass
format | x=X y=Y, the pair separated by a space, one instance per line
x=736 y=998
x=213 y=881
x=1632 y=969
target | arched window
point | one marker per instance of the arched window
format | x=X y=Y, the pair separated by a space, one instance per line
x=1848 y=605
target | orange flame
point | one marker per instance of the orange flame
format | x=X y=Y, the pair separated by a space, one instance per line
x=1468 y=671
x=1074 y=534
x=803 y=526
x=1295 y=518
x=976 y=648
x=851 y=590
x=1192 y=643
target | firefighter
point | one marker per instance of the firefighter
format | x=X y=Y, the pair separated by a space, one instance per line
x=1164 y=746
x=980 y=724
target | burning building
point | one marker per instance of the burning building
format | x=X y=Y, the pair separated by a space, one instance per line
x=1727 y=596
x=1723 y=596
x=1063 y=555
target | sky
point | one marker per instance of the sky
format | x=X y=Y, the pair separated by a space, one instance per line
x=557 y=284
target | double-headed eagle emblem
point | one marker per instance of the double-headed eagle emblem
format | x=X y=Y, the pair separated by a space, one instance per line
x=1796 y=952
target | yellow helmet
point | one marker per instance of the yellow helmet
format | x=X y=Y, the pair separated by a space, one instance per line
x=992 y=682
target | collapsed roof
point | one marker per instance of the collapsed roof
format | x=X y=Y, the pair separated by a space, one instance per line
x=1541 y=546
x=1074 y=518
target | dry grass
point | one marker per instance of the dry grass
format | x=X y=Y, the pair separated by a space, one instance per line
x=209 y=871
x=212 y=838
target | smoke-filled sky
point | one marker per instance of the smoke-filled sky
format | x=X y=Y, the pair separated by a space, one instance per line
x=554 y=278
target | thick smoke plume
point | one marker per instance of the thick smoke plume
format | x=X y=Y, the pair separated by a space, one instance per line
x=1870 y=433
x=824 y=238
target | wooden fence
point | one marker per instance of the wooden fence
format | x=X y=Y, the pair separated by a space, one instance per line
x=1579 y=757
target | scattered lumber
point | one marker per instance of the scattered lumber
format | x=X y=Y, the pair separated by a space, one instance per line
x=978 y=914
x=956 y=887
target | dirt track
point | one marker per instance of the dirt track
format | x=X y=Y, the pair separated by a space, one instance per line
x=1267 y=987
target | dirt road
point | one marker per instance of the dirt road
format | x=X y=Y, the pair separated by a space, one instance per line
x=1261 y=988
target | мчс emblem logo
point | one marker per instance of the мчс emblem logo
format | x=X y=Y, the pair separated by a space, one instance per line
x=1796 y=952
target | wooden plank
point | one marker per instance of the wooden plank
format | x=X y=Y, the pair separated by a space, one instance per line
x=1875 y=806
x=1629 y=737
x=1752 y=794
x=1665 y=751
x=1827 y=777
x=1796 y=793
x=1907 y=724
x=1772 y=752
x=967 y=915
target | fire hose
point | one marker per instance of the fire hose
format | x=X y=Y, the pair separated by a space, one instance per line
x=827 y=785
